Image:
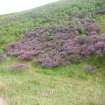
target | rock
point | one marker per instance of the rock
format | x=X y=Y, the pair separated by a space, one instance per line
x=90 y=68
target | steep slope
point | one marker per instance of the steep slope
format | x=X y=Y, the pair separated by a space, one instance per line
x=75 y=84
x=12 y=26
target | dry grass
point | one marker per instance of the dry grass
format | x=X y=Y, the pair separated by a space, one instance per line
x=34 y=87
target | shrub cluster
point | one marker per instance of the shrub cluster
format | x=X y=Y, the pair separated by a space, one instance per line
x=58 y=45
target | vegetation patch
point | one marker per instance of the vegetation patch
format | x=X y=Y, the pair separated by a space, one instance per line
x=59 y=45
x=59 y=24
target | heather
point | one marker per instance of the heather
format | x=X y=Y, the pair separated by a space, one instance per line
x=54 y=54
x=56 y=46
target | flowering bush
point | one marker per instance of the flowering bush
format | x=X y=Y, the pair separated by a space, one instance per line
x=58 y=45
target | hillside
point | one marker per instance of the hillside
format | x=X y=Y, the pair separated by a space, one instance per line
x=59 y=13
x=27 y=83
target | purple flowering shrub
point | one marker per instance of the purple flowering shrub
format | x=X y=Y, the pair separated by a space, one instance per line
x=58 y=45
x=13 y=49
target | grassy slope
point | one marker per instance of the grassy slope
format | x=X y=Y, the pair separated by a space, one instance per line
x=68 y=85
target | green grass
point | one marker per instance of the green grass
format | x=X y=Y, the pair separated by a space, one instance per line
x=69 y=85
x=13 y=25
x=101 y=21
x=66 y=85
